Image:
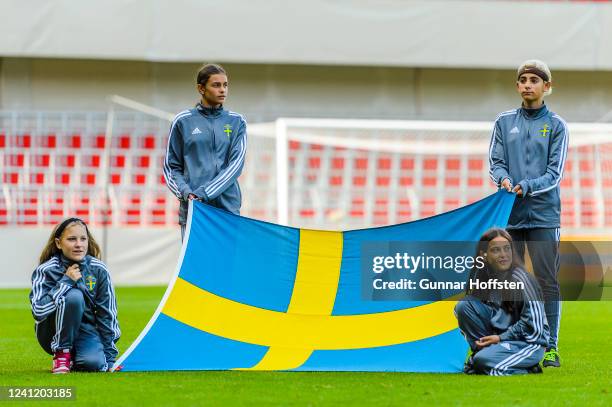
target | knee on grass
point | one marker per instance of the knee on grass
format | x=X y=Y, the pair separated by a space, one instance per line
x=90 y=362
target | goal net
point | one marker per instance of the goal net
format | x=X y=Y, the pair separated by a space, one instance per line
x=344 y=174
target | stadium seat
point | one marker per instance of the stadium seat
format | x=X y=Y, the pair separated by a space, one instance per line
x=147 y=142
x=100 y=141
x=62 y=178
x=48 y=141
x=75 y=141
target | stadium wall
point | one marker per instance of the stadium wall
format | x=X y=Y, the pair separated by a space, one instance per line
x=136 y=256
x=264 y=92
x=410 y=33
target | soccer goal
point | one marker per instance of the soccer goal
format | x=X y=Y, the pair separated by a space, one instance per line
x=343 y=174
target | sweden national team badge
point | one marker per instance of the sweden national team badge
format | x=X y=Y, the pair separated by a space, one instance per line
x=544 y=131
x=227 y=129
x=90 y=282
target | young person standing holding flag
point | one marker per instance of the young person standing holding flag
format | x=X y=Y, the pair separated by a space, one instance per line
x=206 y=148
x=527 y=155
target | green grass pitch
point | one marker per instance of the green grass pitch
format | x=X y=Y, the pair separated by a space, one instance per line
x=584 y=379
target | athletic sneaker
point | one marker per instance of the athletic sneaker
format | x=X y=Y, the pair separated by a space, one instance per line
x=61 y=362
x=551 y=358
x=535 y=369
x=468 y=366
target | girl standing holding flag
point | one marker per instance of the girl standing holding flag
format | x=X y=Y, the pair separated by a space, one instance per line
x=527 y=156
x=73 y=301
x=206 y=148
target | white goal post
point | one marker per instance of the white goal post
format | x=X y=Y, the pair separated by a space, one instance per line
x=349 y=173
x=439 y=142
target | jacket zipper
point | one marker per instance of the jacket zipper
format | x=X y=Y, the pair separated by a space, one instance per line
x=214 y=144
x=527 y=161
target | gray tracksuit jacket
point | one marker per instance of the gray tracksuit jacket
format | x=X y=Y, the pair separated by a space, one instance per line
x=50 y=284
x=529 y=146
x=205 y=157
x=527 y=319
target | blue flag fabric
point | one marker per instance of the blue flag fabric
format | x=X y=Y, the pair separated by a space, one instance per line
x=252 y=295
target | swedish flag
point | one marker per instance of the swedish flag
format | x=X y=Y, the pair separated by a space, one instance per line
x=254 y=295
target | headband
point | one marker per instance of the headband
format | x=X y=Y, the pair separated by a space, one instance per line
x=535 y=71
x=64 y=224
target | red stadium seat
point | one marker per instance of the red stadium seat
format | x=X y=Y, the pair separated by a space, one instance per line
x=100 y=141
x=430 y=163
x=124 y=141
x=148 y=142
x=48 y=141
x=314 y=162
x=88 y=179
x=91 y=161
x=14 y=160
x=62 y=178
x=307 y=213
x=451 y=182
x=143 y=161
x=67 y=161
x=406 y=181
x=407 y=164
x=361 y=163
x=23 y=140
x=383 y=181
x=37 y=178
x=139 y=179
x=475 y=164
x=384 y=163
x=335 y=181
x=474 y=182
x=75 y=141
x=453 y=164
x=41 y=160
x=430 y=181
x=10 y=178
x=338 y=163
x=118 y=161
x=359 y=181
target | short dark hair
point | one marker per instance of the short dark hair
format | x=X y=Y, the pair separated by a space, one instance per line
x=207 y=70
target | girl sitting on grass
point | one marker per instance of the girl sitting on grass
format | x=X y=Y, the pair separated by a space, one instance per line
x=506 y=329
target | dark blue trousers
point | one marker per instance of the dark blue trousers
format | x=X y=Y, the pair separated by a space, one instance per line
x=476 y=320
x=543 y=246
x=65 y=329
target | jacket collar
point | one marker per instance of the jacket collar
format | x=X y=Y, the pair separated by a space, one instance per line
x=209 y=111
x=532 y=114
x=67 y=262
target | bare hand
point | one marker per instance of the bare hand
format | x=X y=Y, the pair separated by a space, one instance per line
x=507 y=185
x=518 y=190
x=488 y=340
x=192 y=197
x=74 y=272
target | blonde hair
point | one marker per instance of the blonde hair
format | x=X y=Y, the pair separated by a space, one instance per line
x=50 y=250
x=533 y=66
